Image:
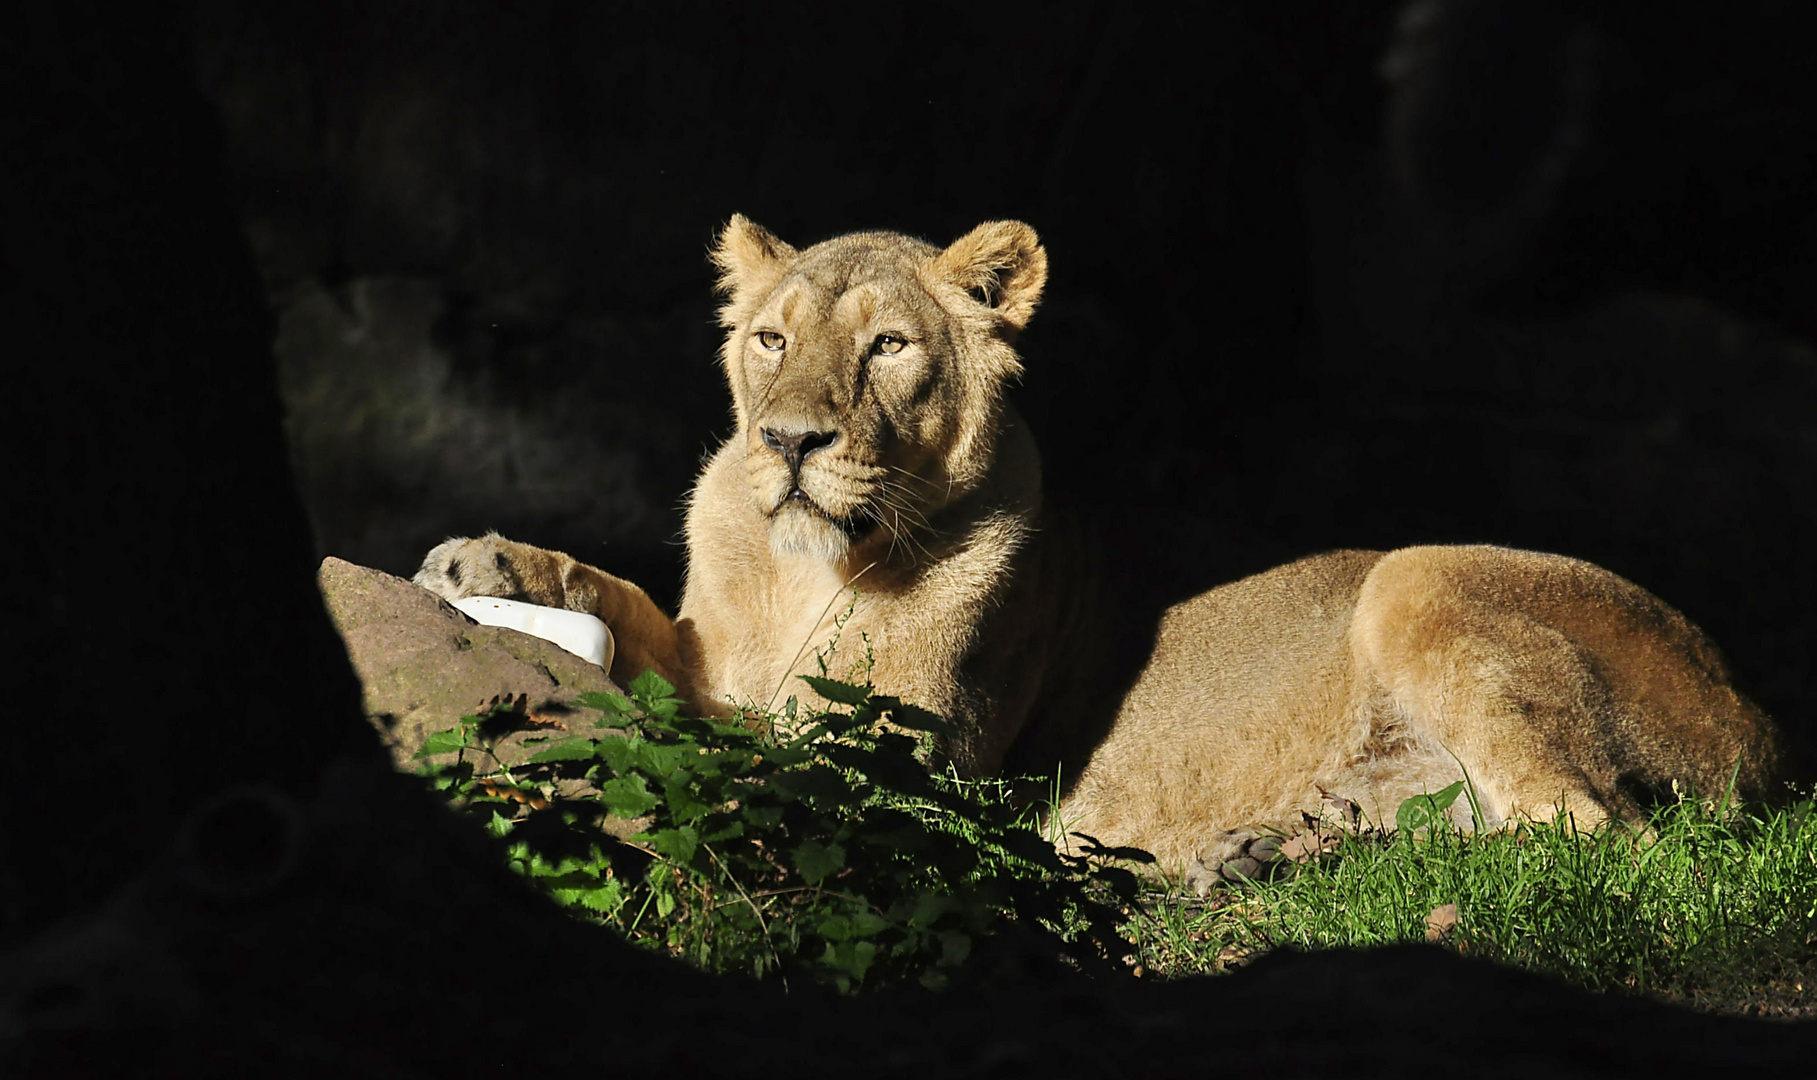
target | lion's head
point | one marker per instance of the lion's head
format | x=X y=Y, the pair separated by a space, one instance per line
x=867 y=375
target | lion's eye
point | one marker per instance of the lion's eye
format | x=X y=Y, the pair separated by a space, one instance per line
x=770 y=340
x=889 y=344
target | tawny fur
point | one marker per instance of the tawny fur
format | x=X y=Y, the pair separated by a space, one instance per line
x=876 y=468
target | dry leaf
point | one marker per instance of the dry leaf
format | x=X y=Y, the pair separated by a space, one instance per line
x=1305 y=846
x=1440 y=921
x=1350 y=812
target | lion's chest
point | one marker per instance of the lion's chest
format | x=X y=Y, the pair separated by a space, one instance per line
x=806 y=615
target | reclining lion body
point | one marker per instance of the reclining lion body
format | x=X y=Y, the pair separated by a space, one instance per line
x=878 y=487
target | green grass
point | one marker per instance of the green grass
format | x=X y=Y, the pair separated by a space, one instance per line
x=816 y=844
x=1711 y=907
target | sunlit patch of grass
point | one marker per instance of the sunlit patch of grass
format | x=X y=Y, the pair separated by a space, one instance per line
x=1710 y=905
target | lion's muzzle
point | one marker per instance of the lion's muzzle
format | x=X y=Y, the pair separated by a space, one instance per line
x=795 y=446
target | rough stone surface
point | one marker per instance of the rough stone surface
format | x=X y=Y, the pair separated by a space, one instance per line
x=425 y=665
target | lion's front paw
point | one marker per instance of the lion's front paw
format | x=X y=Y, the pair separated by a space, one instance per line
x=1228 y=859
x=488 y=566
x=1257 y=854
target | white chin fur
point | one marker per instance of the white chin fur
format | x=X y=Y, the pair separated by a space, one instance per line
x=798 y=534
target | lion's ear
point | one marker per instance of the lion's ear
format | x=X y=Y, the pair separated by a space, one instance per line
x=1002 y=265
x=749 y=257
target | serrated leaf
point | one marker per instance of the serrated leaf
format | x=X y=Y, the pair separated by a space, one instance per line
x=678 y=844
x=899 y=771
x=728 y=831
x=954 y=948
x=914 y=718
x=836 y=691
x=627 y=797
x=930 y=906
x=712 y=732
x=1028 y=845
x=816 y=781
x=613 y=705
x=852 y=924
x=659 y=759
x=650 y=687
x=1427 y=810
x=678 y=792
x=566 y=750
x=763 y=817
x=619 y=754
x=810 y=736
x=606 y=899
x=853 y=957
x=443 y=742
x=818 y=861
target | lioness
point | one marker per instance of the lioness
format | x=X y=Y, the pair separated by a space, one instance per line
x=876 y=467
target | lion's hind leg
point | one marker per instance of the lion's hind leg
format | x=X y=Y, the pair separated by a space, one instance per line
x=1518 y=705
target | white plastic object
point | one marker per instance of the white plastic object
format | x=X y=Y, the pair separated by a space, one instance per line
x=576 y=631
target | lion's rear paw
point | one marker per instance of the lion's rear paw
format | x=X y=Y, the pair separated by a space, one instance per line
x=488 y=566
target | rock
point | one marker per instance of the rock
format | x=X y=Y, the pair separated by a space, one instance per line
x=425 y=665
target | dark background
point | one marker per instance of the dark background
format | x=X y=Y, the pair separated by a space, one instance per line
x=1364 y=274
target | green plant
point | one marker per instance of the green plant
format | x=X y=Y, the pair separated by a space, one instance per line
x=798 y=841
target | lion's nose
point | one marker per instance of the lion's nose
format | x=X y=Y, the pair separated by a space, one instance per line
x=795 y=446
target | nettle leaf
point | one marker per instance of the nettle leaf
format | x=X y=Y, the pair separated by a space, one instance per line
x=712 y=731
x=836 y=691
x=811 y=736
x=444 y=742
x=818 y=861
x=628 y=797
x=815 y=781
x=1121 y=881
x=896 y=771
x=677 y=844
x=913 y=717
x=619 y=754
x=853 y=957
x=566 y=750
x=678 y=792
x=570 y=880
x=651 y=686
x=930 y=906
x=606 y=899
x=853 y=924
x=730 y=830
x=660 y=759
x=655 y=695
x=1428 y=810
x=613 y=705
x=1028 y=845
x=763 y=817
